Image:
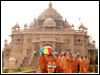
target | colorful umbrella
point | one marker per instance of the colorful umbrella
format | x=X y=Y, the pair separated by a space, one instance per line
x=47 y=50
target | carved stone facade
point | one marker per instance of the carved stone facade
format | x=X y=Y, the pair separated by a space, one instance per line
x=48 y=29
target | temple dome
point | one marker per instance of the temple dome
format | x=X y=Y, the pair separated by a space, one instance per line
x=50 y=12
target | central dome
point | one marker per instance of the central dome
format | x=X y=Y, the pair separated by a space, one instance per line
x=50 y=12
x=50 y=17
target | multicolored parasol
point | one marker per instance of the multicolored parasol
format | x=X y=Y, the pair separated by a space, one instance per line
x=47 y=50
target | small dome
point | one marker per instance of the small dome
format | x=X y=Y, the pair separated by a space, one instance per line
x=81 y=26
x=85 y=28
x=6 y=41
x=49 y=22
x=72 y=25
x=16 y=26
x=25 y=25
x=93 y=41
x=66 y=24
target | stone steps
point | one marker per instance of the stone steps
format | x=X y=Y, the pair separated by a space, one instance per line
x=34 y=62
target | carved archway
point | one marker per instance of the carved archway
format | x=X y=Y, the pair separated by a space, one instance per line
x=47 y=44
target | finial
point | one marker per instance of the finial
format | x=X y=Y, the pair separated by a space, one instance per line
x=16 y=22
x=81 y=23
x=50 y=4
x=65 y=20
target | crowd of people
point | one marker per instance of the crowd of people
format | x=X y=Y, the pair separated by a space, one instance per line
x=65 y=63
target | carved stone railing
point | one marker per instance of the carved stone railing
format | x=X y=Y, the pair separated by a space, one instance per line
x=30 y=61
x=22 y=61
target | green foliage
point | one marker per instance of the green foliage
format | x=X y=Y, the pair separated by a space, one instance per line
x=33 y=68
x=97 y=58
x=91 y=68
x=91 y=61
x=5 y=70
x=17 y=70
x=10 y=71
x=90 y=58
x=96 y=68
x=26 y=69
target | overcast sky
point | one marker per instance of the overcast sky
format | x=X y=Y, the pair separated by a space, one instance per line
x=24 y=12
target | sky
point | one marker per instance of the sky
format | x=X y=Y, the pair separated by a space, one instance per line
x=24 y=12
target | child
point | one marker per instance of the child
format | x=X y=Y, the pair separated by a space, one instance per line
x=51 y=66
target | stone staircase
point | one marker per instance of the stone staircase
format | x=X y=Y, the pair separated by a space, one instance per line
x=26 y=60
x=34 y=62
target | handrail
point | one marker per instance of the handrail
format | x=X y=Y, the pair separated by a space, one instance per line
x=22 y=60
x=31 y=58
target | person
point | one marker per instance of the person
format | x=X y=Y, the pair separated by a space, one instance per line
x=75 y=63
x=51 y=69
x=63 y=63
x=59 y=64
x=81 y=65
x=46 y=62
x=70 y=64
x=42 y=63
x=56 y=61
x=86 y=64
x=78 y=66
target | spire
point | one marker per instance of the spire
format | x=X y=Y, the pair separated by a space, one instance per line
x=50 y=4
x=16 y=22
x=65 y=20
x=81 y=23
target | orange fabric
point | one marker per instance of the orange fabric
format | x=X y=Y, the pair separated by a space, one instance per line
x=42 y=64
x=59 y=70
x=57 y=64
x=49 y=58
x=75 y=63
x=51 y=70
x=56 y=58
x=66 y=64
x=86 y=65
x=81 y=66
x=70 y=65
x=62 y=64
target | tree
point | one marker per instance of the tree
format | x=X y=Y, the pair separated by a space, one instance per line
x=90 y=58
x=97 y=58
